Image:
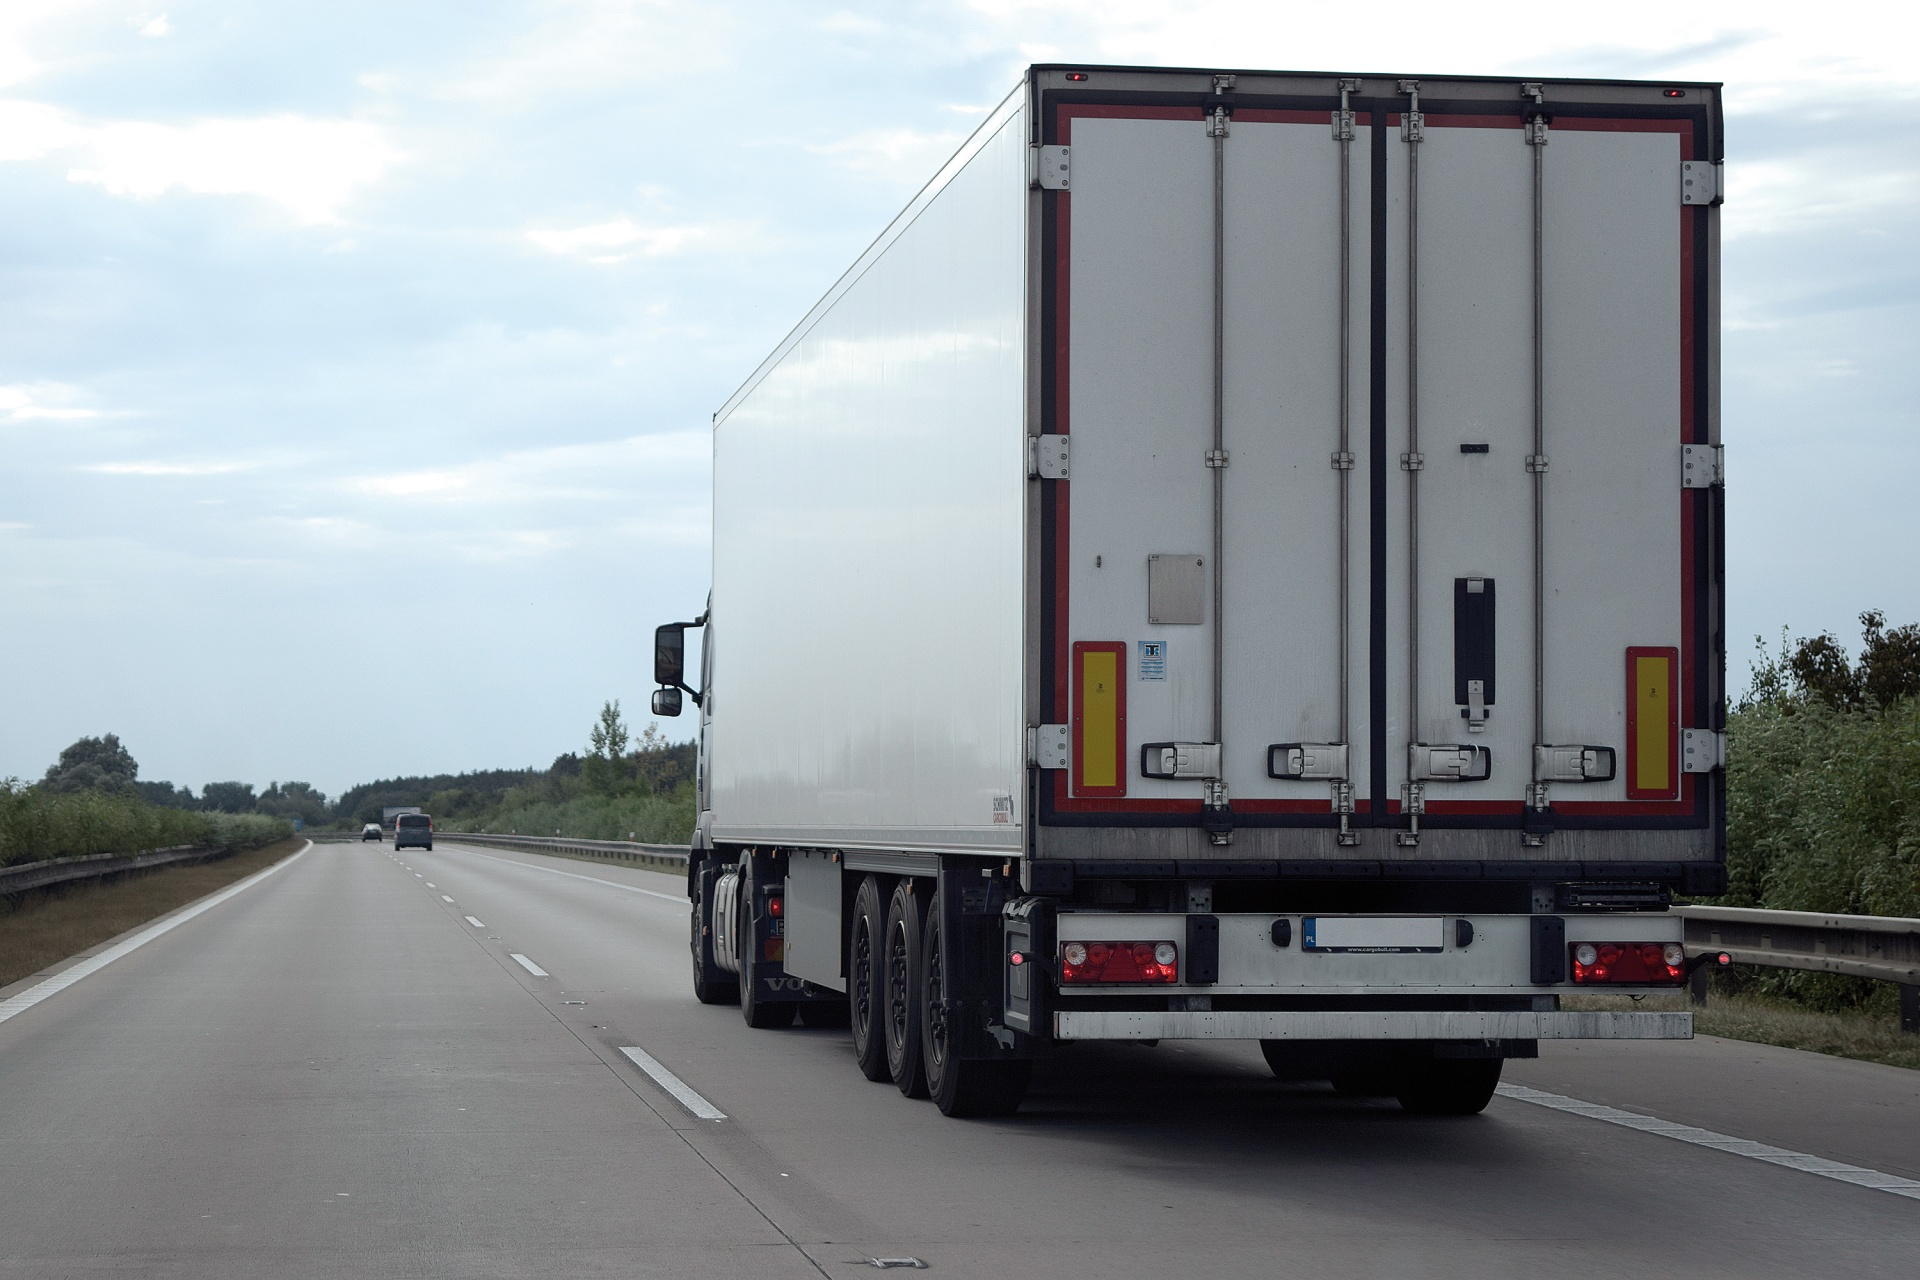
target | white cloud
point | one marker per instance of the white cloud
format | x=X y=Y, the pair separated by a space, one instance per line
x=156 y=27
x=906 y=152
x=310 y=167
x=582 y=472
x=622 y=238
x=42 y=400
x=166 y=468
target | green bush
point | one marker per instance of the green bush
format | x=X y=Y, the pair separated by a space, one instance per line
x=1823 y=795
x=651 y=819
x=36 y=824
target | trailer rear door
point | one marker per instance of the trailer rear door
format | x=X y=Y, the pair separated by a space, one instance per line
x=1201 y=555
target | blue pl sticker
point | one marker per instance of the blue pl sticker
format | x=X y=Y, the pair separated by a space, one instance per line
x=1153 y=659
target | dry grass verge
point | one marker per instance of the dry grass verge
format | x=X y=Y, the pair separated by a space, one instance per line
x=51 y=924
x=1866 y=1036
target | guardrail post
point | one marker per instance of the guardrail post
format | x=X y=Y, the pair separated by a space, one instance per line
x=1910 y=1008
x=1697 y=985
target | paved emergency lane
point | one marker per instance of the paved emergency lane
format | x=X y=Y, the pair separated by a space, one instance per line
x=1185 y=1159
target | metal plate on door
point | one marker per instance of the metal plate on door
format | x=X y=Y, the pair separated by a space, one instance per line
x=1176 y=590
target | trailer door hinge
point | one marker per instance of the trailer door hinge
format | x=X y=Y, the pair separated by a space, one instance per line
x=1217 y=457
x=1047 y=457
x=1700 y=182
x=1702 y=466
x=1050 y=168
x=1050 y=746
x=1702 y=750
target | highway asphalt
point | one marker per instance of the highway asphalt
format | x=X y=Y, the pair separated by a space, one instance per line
x=335 y=1073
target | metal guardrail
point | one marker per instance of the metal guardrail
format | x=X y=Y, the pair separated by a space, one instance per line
x=1885 y=948
x=91 y=866
x=659 y=857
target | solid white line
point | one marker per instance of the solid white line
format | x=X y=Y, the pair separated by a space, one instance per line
x=1859 y=1177
x=445 y=898
x=59 y=982
x=572 y=875
x=698 y=1107
x=529 y=965
x=475 y=923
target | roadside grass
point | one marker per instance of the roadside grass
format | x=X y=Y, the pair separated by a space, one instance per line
x=649 y=819
x=1870 y=1036
x=48 y=925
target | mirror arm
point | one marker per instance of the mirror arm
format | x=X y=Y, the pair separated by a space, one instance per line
x=700 y=621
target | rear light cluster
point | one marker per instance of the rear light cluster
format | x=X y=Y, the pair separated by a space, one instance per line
x=1119 y=962
x=1634 y=964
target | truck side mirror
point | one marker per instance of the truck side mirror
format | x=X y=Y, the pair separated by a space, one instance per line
x=666 y=702
x=669 y=658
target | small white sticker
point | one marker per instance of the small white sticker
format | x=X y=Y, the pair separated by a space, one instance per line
x=1002 y=811
x=1153 y=659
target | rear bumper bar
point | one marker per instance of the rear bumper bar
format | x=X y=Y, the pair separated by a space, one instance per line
x=1247 y=1024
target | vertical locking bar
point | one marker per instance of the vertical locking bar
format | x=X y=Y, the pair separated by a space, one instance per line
x=1412 y=130
x=1343 y=456
x=1536 y=136
x=1216 y=801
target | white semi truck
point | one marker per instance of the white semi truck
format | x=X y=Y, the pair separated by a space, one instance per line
x=1240 y=556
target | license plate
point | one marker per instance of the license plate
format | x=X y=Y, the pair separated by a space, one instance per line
x=1372 y=933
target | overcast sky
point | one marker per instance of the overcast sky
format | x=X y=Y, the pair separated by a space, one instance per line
x=356 y=358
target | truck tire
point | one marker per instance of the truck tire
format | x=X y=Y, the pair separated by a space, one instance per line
x=762 y=1015
x=961 y=1087
x=711 y=984
x=864 y=995
x=900 y=991
x=1363 y=1072
x=1450 y=1086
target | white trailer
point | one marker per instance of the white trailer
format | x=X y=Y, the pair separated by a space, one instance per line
x=1239 y=556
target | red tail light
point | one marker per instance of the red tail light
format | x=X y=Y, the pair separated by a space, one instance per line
x=1631 y=964
x=775 y=906
x=1087 y=962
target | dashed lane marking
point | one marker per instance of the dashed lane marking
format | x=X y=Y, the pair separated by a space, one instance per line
x=529 y=965
x=445 y=898
x=475 y=923
x=697 y=1107
x=16 y=1005
x=573 y=875
x=1871 y=1178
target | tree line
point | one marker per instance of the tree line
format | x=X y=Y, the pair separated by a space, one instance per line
x=617 y=766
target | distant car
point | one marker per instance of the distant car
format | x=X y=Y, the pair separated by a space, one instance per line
x=372 y=831
x=413 y=828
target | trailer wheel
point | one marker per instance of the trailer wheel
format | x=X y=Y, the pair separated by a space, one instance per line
x=1450 y=1086
x=710 y=984
x=900 y=991
x=961 y=1087
x=865 y=999
x=762 y=1015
